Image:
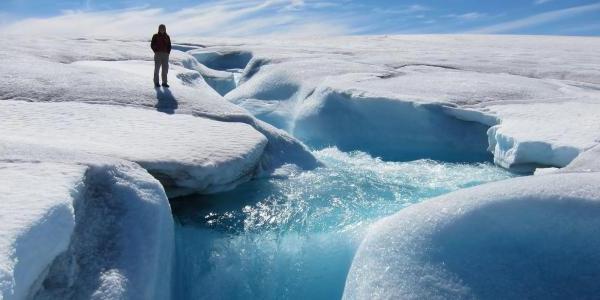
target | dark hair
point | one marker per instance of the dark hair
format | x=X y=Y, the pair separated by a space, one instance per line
x=162 y=26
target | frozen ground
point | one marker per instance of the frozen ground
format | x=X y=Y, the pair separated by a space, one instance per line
x=82 y=129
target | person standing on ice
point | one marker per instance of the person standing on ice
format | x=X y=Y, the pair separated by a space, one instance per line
x=161 y=45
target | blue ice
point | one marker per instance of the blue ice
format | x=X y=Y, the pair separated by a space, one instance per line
x=295 y=238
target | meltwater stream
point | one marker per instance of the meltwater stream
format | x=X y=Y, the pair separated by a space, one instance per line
x=295 y=238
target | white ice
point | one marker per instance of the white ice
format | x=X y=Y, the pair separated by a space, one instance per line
x=337 y=91
x=187 y=153
x=77 y=116
x=534 y=99
x=82 y=230
x=81 y=218
x=36 y=222
x=530 y=237
x=120 y=73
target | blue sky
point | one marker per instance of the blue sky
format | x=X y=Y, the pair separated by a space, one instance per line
x=301 y=17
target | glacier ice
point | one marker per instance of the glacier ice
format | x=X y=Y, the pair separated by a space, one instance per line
x=294 y=238
x=470 y=78
x=36 y=223
x=75 y=114
x=530 y=237
x=557 y=145
x=530 y=106
x=588 y=161
x=538 y=104
x=400 y=131
x=222 y=60
x=116 y=73
x=82 y=230
x=170 y=147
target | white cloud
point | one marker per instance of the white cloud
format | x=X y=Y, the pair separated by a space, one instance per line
x=295 y=5
x=415 y=8
x=539 y=19
x=218 y=18
x=324 y=4
x=468 y=16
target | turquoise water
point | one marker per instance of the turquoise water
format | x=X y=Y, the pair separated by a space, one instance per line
x=295 y=238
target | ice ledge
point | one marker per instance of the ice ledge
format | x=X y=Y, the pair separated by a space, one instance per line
x=525 y=136
x=122 y=244
x=101 y=229
x=36 y=222
x=189 y=154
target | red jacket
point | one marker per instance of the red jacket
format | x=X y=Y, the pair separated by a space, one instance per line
x=161 y=42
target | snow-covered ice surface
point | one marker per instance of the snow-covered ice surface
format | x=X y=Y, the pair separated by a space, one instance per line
x=530 y=102
x=119 y=73
x=99 y=230
x=421 y=89
x=588 y=161
x=186 y=152
x=525 y=238
x=81 y=124
x=575 y=128
x=81 y=218
x=36 y=223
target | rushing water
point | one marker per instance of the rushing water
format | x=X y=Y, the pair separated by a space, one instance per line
x=295 y=238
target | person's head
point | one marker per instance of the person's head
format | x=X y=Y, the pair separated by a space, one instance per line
x=162 y=28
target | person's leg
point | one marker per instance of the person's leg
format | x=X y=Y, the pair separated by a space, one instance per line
x=156 y=67
x=165 y=66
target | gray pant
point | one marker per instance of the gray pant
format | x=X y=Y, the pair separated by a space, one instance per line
x=161 y=59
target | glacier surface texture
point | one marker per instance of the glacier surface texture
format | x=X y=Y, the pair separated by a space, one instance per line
x=355 y=167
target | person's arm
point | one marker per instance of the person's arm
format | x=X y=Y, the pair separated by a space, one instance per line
x=169 y=43
x=153 y=43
